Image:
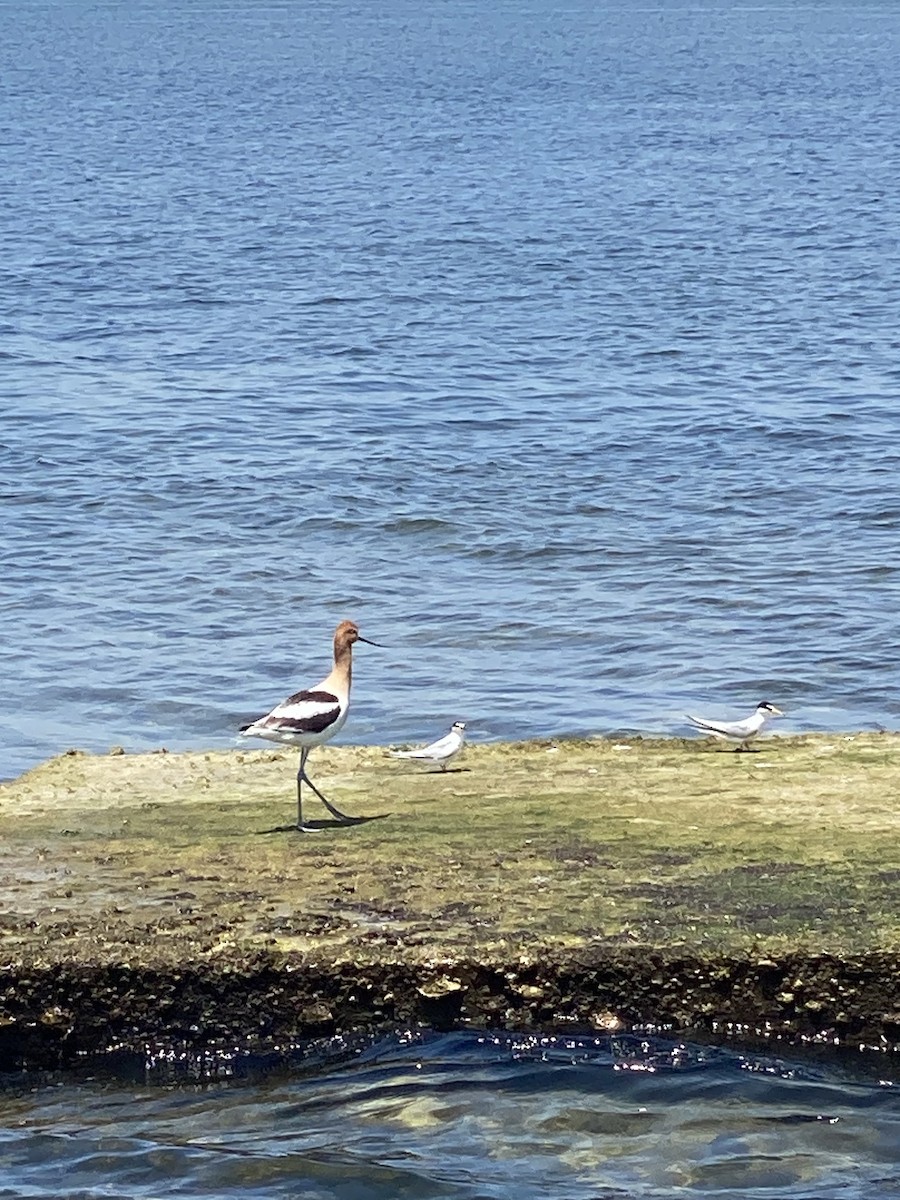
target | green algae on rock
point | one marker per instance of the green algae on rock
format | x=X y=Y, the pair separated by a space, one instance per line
x=165 y=896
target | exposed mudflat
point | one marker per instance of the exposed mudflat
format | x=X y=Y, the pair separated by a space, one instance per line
x=164 y=899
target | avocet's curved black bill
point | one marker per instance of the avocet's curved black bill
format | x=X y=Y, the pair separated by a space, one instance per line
x=368 y=641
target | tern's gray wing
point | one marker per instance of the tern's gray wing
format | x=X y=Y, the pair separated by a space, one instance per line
x=439 y=749
x=733 y=729
x=431 y=751
x=442 y=748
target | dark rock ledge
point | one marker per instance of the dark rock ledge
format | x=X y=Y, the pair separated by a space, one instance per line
x=55 y=1016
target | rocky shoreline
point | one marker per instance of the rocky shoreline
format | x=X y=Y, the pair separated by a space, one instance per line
x=163 y=901
x=54 y=1018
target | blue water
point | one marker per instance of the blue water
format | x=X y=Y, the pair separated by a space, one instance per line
x=556 y=344
x=465 y=1117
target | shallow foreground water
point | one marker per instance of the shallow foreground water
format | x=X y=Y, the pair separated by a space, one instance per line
x=464 y=1116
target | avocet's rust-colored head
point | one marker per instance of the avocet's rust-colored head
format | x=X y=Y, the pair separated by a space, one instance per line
x=346 y=634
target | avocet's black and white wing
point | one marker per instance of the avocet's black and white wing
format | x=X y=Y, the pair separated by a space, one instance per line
x=304 y=719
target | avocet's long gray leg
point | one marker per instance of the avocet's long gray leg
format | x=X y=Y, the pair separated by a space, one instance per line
x=302 y=778
x=301 y=774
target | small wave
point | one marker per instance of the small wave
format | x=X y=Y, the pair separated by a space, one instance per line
x=466 y=1114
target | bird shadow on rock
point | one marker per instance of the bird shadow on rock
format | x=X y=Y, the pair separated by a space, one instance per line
x=435 y=771
x=323 y=825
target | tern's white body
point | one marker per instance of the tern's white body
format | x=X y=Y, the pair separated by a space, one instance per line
x=742 y=732
x=440 y=753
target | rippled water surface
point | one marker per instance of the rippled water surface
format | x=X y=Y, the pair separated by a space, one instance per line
x=557 y=344
x=468 y=1116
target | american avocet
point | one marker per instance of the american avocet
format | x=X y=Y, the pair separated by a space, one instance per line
x=742 y=732
x=443 y=751
x=311 y=717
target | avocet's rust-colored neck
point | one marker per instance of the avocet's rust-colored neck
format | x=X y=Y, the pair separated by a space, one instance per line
x=342 y=671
